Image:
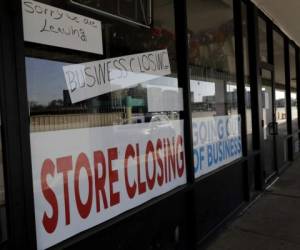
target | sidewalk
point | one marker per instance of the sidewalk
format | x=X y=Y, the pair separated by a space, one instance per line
x=271 y=223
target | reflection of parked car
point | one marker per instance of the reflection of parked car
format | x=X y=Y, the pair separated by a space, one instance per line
x=159 y=118
x=156 y=117
x=160 y=122
x=151 y=124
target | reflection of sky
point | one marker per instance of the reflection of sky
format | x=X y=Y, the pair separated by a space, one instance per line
x=45 y=80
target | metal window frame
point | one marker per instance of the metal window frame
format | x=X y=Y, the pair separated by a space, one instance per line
x=114 y=16
x=15 y=130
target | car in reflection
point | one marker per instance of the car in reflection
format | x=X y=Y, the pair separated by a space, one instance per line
x=149 y=124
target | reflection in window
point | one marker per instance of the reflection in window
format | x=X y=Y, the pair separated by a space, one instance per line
x=262 y=34
x=50 y=104
x=213 y=84
x=294 y=109
x=141 y=107
x=280 y=104
x=139 y=11
x=247 y=77
x=212 y=58
x=279 y=72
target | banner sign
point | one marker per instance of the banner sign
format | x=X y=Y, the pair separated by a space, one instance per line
x=217 y=141
x=52 y=26
x=83 y=177
x=96 y=78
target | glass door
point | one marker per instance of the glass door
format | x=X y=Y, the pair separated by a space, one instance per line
x=270 y=128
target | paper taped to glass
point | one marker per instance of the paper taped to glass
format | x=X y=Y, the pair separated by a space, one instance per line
x=96 y=78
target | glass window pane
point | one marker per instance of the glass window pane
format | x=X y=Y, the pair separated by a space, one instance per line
x=262 y=34
x=294 y=108
x=114 y=114
x=279 y=71
x=247 y=78
x=213 y=84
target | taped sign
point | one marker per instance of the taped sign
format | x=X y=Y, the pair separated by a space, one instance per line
x=53 y=26
x=83 y=177
x=217 y=141
x=96 y=78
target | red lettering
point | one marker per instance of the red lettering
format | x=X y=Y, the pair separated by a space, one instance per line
x=64 y=165
x=179 y=143
x=84 y=209
x=150 y=149
x=160 y=177
x=131 y=190
x=165 y=161
x=141 y=185
x=49 y=223
x=171 y=158
x=113 y=176
x=99 y=160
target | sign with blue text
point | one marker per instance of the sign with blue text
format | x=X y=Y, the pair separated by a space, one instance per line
x=217 y=141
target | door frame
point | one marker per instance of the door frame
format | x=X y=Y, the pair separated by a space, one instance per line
x=270 y=68
x=15 y=130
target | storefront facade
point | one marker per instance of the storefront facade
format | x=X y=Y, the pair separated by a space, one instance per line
x=139 y=124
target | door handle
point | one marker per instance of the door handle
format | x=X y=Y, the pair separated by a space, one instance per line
x=273 y=128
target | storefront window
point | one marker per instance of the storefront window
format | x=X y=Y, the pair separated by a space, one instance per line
x=247 y=78
x=279 y=71
x=104 y=111
x=262 y=34
x=216 y=124
x=294 y=108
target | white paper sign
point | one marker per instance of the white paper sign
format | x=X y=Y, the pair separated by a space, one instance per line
x=96 y=78
x=49 y=25
x=217 y=141
x=83 y=177
x=162 y=98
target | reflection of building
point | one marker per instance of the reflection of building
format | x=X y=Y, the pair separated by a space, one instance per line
x=67 y=98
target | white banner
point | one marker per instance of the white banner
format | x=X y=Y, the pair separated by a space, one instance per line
x=217 y=141
x=96 y=78
x=49 y=25
x=83 y=177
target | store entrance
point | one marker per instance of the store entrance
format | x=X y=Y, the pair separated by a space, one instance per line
x=270 y=126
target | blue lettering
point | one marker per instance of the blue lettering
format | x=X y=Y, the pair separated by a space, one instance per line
x=221 y=147
x=220 y=129
x=215 y=153
x=201 y=154
x=196 y=161
x=209 y=155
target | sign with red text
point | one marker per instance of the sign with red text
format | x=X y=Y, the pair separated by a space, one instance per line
x=52 y=26
x=83 y=177
x=96 y=78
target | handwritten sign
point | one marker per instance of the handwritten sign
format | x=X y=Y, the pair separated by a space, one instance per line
x=48 y=25
x=96 y=78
